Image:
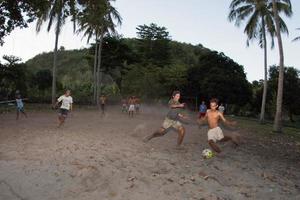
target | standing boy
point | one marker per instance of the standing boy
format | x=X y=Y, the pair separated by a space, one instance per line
x=66 y=105
x=215 y=133
x=202 y=110
x=131 y=107
x=172 y=120
x=103 y=99
x=20 y=106
x=221 y=108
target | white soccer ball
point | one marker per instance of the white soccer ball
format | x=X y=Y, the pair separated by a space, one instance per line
x=207 y=153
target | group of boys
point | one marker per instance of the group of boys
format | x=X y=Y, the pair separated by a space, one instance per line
x=172 y=119
x=212 y=116
x=132 y=105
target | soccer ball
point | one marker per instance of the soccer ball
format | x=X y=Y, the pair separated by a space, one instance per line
x=207 y=153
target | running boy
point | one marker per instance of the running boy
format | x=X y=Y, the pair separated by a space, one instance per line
x=215 y=133
x=20 y=106
x=66 y=105
x=172 y=120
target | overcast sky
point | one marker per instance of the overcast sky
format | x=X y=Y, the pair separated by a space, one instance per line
x=191 y=21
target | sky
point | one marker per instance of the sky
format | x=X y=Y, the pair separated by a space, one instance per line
x=192 y=21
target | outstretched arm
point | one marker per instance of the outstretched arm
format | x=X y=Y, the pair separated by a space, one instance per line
x=177 y=106
x=202 y=120
x=227 y=122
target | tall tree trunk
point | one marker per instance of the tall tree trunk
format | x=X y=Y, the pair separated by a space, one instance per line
x=95 y=73
x=278 y=116
x=264 y=97
x=54 y=67
x=99 y=66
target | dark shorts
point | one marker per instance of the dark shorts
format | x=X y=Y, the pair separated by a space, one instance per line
x=202 y=114
x=20 y=109
x=102 y=106
x=63 y=112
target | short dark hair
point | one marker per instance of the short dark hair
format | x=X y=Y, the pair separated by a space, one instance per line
x=175 y=93
x=214 y=100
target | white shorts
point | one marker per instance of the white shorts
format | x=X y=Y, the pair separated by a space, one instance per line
x=215 y=134
x=131 y=107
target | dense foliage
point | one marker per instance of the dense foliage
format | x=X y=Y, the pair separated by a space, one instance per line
x=134 y=67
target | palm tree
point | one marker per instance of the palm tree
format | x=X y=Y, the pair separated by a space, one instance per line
x=89 y=22
x=57 y=12
x=98 y=19
x=277 y=6
x=297 y=38
x=260 y=23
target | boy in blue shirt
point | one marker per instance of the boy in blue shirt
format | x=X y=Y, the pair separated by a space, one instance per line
x=20 y=106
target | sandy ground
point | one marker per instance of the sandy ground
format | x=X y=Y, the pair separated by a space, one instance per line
x=99 y=158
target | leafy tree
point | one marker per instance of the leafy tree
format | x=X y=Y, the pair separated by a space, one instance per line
x=19 y=14
x=216 y=75
x=43 y=79
x=276 y=9
x=143 y=81
x=12 y=78
x=291 y=88
x=154 y=44
x=260 y=22
x=12 y=60
x=98 y=19
x=297 y=38
x=57 y=13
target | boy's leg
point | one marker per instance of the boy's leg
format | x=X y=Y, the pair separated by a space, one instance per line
x=214 y=146
x=60 y=120
x=181 y=133
x=103 y=108
x=18 y=112
x=230 y=138
x=23 y=112
x=158 y=133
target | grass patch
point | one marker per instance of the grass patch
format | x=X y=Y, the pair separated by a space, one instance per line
x=266 y=128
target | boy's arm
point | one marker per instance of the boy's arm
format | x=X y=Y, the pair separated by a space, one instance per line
x=203 y=119
x=227 y=122
x=183 y=116
x=172 y=105
x=57 y=101
x=71 y=106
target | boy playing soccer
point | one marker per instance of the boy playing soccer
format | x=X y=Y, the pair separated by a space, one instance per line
x=215 y=133
x=66 y=105
x=20 y=106
x=172 y=120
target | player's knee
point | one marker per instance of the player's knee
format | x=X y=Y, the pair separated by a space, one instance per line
x=210 y=142
x=181 y=130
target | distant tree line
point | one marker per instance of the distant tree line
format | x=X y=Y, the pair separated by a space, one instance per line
x=150 y=66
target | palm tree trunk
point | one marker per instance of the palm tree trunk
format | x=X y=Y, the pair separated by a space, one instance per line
x=99 y=66
x=95 y=73
x=55 y=61
x=278 y=116
x=264 y=97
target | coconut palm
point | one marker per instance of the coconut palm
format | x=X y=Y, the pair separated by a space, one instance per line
x=57 y=12
x=276 y=6
x=297 y=38
x=260 y=23
x=98 y=19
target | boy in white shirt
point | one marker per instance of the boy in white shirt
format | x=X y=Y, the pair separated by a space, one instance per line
x=66 y=105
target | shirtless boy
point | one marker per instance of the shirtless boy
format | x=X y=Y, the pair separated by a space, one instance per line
x=215 y=133
x=131 y=107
